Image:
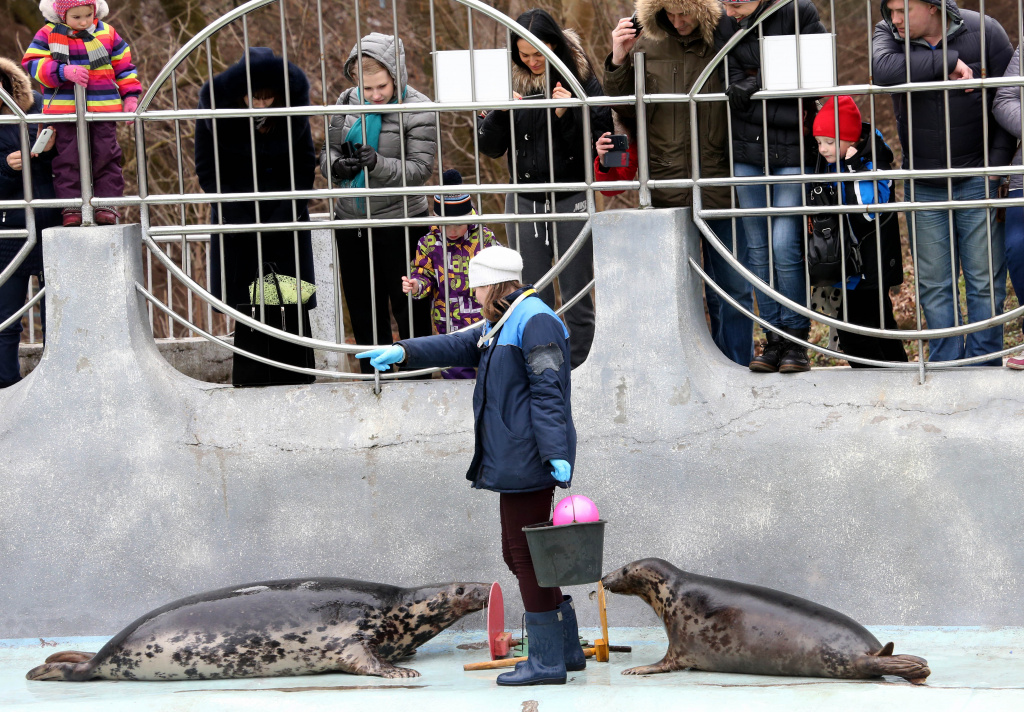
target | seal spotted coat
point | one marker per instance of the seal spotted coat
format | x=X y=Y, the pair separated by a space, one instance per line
x=274 y=628
x=717 y=625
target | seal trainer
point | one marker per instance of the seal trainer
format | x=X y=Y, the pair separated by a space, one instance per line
x=272 y=628
x=725 y=626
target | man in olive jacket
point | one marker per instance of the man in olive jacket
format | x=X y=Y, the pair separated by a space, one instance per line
x=679 y=39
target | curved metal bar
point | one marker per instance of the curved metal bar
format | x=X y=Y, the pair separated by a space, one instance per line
x=288 y=367
x=14 y=264
x=579 y=295
x=908 y=334
x=248 y=7
x=21 y=312
x=574 y=248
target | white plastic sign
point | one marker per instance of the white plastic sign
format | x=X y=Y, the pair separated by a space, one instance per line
x=817 y=62
x=453 y=70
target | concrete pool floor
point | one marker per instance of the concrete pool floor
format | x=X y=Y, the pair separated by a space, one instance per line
x=973 y=669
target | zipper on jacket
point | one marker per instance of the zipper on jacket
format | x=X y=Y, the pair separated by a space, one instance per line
x=675 y=106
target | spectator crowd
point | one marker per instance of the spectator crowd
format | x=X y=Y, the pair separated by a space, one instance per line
x=849 y=260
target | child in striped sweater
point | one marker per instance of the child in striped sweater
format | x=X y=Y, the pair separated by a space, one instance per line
x=76 y=47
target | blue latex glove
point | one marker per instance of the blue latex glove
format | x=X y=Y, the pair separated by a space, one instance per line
x=381 y=359
x=562 y=471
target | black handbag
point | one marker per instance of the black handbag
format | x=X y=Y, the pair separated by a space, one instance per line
x=249 y=372
x=825 y=254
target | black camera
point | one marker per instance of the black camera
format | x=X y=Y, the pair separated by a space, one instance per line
x=636 y=24
x=618 y=154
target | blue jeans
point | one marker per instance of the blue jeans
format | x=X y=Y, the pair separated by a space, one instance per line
x=731 y=331
x=786 y=244
x=938 y=270
x=12 y=298
x=1015 y=244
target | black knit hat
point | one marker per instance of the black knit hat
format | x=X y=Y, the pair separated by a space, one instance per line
x=454 y=203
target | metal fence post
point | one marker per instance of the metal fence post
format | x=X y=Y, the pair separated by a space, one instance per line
x=84 y=156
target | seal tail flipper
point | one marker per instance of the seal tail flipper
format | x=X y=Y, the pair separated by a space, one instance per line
x=910 y=667
x=70 y=656
x=70 y=672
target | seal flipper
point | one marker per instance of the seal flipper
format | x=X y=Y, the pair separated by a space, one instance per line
x=887 y=650
x=360 y=658
x=662 y=665
x=910 y=667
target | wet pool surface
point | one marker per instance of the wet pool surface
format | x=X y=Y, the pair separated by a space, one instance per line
x=978 y=669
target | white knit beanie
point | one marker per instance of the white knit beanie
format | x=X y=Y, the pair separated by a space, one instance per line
x=494 y=265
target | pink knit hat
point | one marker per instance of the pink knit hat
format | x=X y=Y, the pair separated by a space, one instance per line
x=61 y=7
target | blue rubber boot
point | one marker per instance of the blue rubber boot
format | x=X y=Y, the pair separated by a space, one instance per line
x=572 y=651
x=546 y=665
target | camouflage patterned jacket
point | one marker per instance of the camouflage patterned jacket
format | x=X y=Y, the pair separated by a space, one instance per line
x=429 y=272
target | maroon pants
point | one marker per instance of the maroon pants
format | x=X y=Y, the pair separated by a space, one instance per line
x=517 y=511
x=107 y=180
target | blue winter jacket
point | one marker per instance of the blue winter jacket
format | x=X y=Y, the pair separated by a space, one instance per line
x=522 y=402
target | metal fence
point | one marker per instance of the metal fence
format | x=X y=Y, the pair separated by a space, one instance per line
x=177 y=224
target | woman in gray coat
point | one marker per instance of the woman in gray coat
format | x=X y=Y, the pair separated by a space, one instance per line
x=1006 y=108
x=367 y=150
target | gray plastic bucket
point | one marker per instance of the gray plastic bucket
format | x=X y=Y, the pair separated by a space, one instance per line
x=567 y=555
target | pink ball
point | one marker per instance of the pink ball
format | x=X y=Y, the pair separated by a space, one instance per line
x=584 y=508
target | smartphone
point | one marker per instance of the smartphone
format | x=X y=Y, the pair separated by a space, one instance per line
x=349 y=149
x=636 y=24
x=44 y=138
x=618 y=155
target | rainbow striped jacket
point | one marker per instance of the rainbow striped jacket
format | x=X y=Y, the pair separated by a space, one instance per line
x=106 y=87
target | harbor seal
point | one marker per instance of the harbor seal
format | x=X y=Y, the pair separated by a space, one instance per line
x=272 y=628
x=717 y=625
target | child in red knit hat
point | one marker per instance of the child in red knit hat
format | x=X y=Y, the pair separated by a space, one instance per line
x=77 y=47
x=870 y=271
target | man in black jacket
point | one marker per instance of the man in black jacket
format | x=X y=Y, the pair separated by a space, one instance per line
x=945 y=41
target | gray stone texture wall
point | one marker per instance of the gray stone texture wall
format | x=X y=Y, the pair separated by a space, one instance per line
x=127 y=484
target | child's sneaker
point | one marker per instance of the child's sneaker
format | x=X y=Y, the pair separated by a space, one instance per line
x=72 y=217
x=1016 y=363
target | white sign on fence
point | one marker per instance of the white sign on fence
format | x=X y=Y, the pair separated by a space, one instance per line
x=817 y=62
x=452 y=71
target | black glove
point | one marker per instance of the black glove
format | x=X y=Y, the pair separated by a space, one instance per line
x=345 y=168
x=739 y=93
x=367 y=157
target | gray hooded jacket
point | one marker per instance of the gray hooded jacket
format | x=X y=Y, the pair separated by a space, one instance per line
x=1006 y=109
x=420 y=137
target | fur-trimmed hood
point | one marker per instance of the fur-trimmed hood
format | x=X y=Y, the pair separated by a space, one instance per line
x=526 y=82
x=708 y=13
x=46 y=7
x=20 y=83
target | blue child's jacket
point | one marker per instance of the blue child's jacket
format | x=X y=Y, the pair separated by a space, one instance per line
x=521 y=405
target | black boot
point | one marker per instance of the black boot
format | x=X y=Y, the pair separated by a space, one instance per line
x=794 y=356
x=575 y=660
x=771 y=354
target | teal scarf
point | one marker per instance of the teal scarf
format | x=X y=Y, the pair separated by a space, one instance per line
x=355 y=135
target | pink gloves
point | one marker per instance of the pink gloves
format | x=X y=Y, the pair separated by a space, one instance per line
x=131 y=103
x=77 y=74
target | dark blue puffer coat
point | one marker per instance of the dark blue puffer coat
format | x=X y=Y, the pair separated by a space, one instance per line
x=966 y=110
x=522 y=403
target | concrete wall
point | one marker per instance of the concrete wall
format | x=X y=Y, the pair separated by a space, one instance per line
x=127 y=484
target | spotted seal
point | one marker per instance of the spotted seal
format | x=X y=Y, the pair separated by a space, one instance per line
x=725 y=626
x=272 y=628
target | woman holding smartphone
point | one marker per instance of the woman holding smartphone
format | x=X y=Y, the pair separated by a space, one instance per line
x=540 y=240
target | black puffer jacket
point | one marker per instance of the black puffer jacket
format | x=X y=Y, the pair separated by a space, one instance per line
x=531 y=126
x=861 y=224
x=785 y=121
x=966 y=110
x=235 y=147
x=11 y=185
